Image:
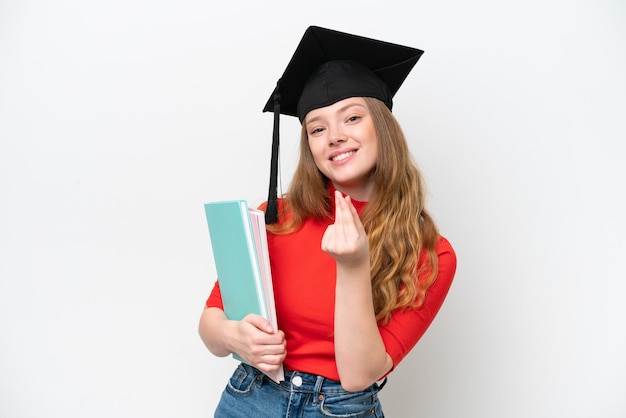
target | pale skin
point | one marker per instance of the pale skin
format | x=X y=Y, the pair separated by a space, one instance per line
x=344 y=128
x=253 y=338
x=359 y=350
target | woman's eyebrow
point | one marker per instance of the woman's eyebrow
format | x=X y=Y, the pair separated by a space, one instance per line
x=349 y=105
x=341 y=109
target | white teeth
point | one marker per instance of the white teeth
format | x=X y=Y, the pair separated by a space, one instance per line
x=342 y=156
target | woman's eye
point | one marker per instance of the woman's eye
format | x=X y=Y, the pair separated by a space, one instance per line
x=353 y=118
x=316 y=131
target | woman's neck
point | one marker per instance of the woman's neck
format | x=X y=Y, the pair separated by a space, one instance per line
x=362 y=193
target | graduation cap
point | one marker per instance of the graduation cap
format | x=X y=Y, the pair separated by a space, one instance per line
x=329 y=66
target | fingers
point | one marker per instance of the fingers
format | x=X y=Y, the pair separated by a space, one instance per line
x=354 y=215
x=260 y=348
x=346 y=214
x=345 y=239
x=260 y=337
x=268 y=357
x=339 y=209
x=349 y=231
x=270 y=364
x=260 y=323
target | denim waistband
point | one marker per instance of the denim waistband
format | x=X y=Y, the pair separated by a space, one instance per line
x=310 y=382
x=307 y=382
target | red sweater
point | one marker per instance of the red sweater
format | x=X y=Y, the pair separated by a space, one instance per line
x=304 y=288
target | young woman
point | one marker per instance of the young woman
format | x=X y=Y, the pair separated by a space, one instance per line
x=359 y=268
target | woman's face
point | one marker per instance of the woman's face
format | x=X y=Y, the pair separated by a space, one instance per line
x=343 y=141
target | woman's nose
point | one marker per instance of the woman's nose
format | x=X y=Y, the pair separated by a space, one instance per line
x=337 y=135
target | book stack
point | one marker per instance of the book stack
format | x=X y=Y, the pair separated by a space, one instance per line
x=239 y=243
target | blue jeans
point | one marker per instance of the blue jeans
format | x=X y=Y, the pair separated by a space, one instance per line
x=251 y=394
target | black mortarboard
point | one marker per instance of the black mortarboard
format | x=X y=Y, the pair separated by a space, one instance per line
x=329 y=66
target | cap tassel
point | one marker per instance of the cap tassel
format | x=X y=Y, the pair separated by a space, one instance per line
x=271 y=212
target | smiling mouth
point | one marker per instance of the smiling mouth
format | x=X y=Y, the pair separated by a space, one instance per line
x=342 y=156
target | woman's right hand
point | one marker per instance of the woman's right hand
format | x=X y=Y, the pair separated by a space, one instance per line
x=253 y=339
x=259 y=344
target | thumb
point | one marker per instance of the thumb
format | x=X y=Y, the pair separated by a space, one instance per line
x=259 y=322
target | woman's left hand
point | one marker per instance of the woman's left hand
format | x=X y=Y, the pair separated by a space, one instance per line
x=359 y=349
x=346 y=240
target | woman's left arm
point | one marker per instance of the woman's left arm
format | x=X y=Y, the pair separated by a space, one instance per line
x=359 y=349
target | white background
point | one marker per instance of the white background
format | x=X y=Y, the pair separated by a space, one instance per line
x=119 y=119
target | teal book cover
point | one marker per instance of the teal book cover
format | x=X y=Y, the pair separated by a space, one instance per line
x=239 y=243
x=236 y=261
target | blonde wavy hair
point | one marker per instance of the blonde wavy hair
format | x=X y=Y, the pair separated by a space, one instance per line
x=398 y=226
